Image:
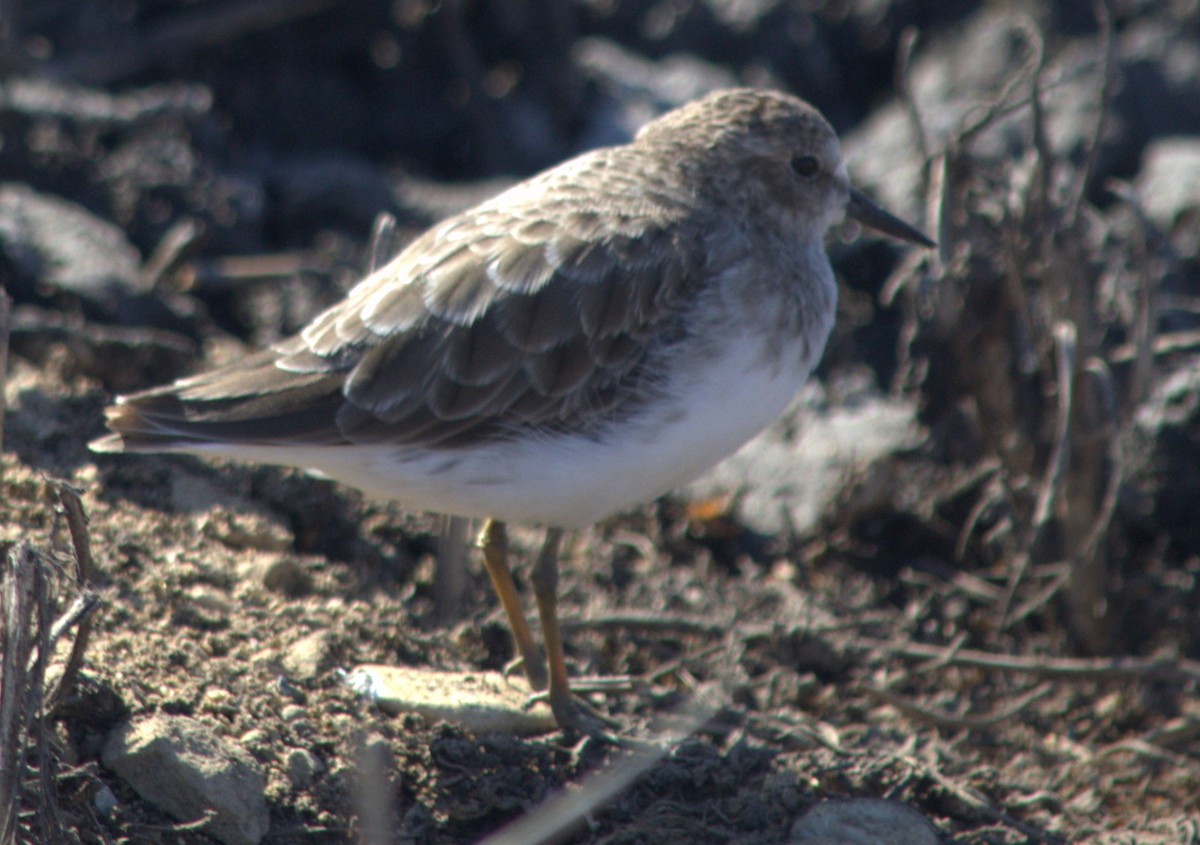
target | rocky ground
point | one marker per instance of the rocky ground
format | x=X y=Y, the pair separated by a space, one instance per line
x=959 y=576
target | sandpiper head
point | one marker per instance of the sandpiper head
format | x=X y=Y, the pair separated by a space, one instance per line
x=775 y=155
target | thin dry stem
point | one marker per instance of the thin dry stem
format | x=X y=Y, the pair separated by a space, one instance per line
x=16 y=601
x=903 y=81
x=84 y=607
x=25 y=607
x=1052 y=480
x=946 y=721
x=1170 y=670
x=5 y=335
x=1104 y=16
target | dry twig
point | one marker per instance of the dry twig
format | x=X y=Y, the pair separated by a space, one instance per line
x=1178 y=671
x=1104 y=16
x=903 y=82
x=88 y=601
x=24 y=742
x=947 y=721
x=5 y=333
x=1064 y=346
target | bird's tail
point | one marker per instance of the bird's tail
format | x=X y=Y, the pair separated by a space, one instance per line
x=252 y=402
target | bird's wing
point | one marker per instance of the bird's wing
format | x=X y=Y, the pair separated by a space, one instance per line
x=536 y=309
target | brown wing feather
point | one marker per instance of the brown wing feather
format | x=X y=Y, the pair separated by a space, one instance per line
x=524 y=312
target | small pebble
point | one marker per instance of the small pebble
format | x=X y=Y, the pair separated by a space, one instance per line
x=306 y=658
x=302 y=767
x=105 y=801
x=292 y=713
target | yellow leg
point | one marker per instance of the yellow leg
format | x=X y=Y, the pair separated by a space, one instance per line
x=545 y=590
x=493 y=541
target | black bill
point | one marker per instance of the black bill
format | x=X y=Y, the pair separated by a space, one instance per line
x=873 y=217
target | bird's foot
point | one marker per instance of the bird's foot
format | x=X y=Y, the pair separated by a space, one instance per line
x=572 y=713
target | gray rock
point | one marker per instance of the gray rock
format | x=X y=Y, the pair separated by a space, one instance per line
x=306 y=658
x=186 y=770
x=105 y=801
x=42 y=97
x=786 y=477
x=279 y=573
x=55 y=245
x=292 y=713
x=1159 y=85
x=302 y=767
x=1169 y=181
x=637 y=90
x=863 y=821
x=196 y=492
x=1166 y=424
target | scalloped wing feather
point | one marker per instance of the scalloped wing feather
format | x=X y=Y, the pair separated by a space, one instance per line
x=536 y=309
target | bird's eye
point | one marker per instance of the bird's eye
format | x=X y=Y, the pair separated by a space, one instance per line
x=806 y=167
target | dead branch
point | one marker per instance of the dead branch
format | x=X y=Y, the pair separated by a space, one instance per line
x=1102 y=378
x=1167 y=344
x=1177 y=670
x=974 y=799
x=88 y=602
x=25 y=608
x=1003 y=104
x=947 y=721
x=1064 y=346
x=16 y=603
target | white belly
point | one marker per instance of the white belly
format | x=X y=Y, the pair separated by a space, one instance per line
x=574 y=481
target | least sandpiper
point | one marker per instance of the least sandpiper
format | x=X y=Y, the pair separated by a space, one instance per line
x=585 y=341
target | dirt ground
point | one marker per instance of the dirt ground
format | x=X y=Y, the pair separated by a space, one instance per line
x=999 y=627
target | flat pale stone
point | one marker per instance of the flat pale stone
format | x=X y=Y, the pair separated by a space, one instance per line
x=481 y=702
